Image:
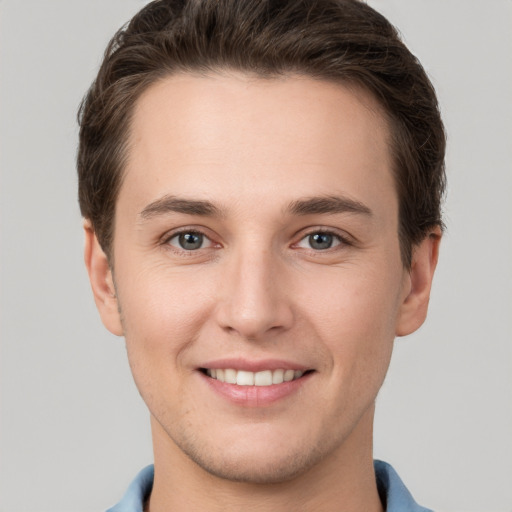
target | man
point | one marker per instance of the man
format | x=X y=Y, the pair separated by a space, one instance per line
x=261 y=187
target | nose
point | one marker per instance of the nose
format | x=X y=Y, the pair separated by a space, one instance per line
x=254 y=300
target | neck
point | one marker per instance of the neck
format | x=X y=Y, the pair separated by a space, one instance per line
x=344 y=481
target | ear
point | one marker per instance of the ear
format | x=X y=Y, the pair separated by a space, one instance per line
x=102 y=283
x=413 y=310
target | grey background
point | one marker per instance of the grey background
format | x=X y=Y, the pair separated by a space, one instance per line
x=73 y=429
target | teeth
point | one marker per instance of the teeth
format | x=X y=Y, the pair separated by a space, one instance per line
x=277 y=376
x=245 y=378
x=288 y=375
x=263 y=378
x=230 y=376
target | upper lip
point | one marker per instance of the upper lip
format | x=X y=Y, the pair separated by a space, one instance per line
x=254 y=365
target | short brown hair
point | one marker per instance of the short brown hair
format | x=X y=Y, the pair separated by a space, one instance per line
x=337 y=40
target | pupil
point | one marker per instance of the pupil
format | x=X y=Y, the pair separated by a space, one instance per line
x=191 y=240
x=320 y=240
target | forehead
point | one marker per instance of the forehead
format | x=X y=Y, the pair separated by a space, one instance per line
x=236 y=137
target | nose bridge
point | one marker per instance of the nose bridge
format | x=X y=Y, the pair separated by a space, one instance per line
x=254 y=300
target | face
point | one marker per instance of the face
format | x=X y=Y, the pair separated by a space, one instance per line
x=257 y=270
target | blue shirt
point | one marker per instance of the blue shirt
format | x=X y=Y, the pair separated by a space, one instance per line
x=392 y=491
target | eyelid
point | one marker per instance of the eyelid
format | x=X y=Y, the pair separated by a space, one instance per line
x=165 y=240
x=336 y=242
x=343 y=238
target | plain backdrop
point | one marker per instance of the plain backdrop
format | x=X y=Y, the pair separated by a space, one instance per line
x=74 y=430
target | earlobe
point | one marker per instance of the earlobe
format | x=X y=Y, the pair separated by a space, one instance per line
x=102 y=284
x=413 y=310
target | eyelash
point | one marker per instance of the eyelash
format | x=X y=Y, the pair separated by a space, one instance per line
x=192 y=231
x=341 y=240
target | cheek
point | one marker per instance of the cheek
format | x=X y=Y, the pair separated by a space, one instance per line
x=354 y=314
x=162 y=305
x=162 y=314
x=357 y=301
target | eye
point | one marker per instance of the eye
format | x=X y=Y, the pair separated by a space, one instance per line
x=320 y=241
x=189 y=241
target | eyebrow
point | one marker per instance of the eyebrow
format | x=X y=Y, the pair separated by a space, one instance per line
x=328 y=205
x=173 y=204
x=300 y=207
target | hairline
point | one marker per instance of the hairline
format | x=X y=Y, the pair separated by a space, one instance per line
x=355 y=86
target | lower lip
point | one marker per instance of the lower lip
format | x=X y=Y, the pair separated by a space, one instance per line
x=256 y=396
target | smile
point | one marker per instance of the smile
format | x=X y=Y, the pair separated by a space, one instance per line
x=246 y=378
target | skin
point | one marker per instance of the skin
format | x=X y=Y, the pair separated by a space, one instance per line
x=257 y=289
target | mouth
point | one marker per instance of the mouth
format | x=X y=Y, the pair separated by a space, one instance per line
x=255 y=383
x=260 y=378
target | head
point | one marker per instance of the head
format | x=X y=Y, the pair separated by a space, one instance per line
x=261 y=183
x=340 y=41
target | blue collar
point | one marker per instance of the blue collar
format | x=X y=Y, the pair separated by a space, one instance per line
x=392 y=491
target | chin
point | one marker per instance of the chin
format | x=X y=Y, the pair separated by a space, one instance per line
x=254 y=462
x=254 y=470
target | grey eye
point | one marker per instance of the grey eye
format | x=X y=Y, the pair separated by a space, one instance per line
x=190 y=241
x=321 y=241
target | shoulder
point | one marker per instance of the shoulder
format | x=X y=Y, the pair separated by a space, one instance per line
x=137 y=493
x=392 y=490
